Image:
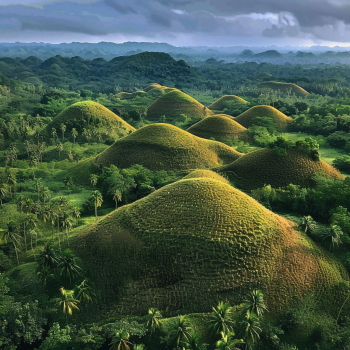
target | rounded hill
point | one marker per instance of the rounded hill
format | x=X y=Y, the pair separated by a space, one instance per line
x=196 y=241
x=225 y=101
x=195 y=174
x=280 y=119
x=129 y=95
x=283 y=87
x=174 y=104
x=91 y=116
x=166 y=147
x=219 y=127
x=265 y=167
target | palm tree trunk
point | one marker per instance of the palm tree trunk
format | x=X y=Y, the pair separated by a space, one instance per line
x=96 y=210
x=16 y=253
x=31 y=244
x=25 y=235
x=53 y=226
x=58 y=232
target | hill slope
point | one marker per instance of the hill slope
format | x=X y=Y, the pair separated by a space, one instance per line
x=265 y=167
x=284 y=87
x=91 y=115
x=166 y=147
x=220 y=127
x=223 y=102
x=196 y=241
x=280 y=119
x=174 y=104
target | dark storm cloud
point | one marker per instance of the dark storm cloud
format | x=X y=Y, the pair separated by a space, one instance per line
x=119 y=7
x=304 y=19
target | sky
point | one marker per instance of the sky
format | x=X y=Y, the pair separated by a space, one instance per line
x=178 y=22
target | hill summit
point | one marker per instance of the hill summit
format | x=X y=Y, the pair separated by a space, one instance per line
x=174 y=105
x=166 y=147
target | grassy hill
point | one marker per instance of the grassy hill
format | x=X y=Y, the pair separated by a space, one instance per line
x=220 y=128
x=153 y=90
x=166 y=147
x=197 y=241
x=223 y=101
x=206 y=174
x=174 y=104
x=280 y=119
x=265 y=167
x=91 y=115
x=130 y=95
x=284 y=87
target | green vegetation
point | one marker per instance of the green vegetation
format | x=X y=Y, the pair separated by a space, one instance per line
x=283 y=87
x=219 y=127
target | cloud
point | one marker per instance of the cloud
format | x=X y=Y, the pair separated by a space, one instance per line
x=119 y=7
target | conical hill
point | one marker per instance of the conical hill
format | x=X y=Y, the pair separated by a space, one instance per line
x=91 y=116
x=219 y=127
x=196 y=241
x=280 y=119
x=175 y=104
x=166 y=147
x=225 y=101
x=284 y=87
x=265 y=167
x=195 y=174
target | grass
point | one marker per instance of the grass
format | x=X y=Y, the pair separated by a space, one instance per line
x=220 y=128
x=221 y=103
x=284 y=87
x=90 y=115
x=280 y=119
x=265 y=167
x=195 y=242
x=166 y=147
x=175 y=104
x=206 y=174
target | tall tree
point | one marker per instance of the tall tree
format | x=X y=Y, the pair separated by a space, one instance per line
x=84 y=292
x=74 y=134
x=67 y=301
x=3 y=193
x=12 y=236
x=250 y=329
x=180 y=335
x=63 y=129
x=69 y=265
x=153 y=322
x=98 y=200
x=11 y=181
x=48 y=257
x=117 y=197
x=228 y=342
x=255 y=303
x=120 y=341
x=221 y=319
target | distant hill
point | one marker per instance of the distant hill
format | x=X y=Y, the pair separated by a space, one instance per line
x=166 y=147
x=280 y=119
x=223 y=102
x=175 y=104
x=199 y=240
x=283 y=87
x=219 y=127
x=265 y=167
x=91 y=116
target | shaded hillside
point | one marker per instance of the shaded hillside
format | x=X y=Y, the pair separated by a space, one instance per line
x=196 y=241
x=219 y=127
x=92 y=116
x=265 y=167
x=166 y=147
x=283 y=87
x=175 y=104
x=280 y=119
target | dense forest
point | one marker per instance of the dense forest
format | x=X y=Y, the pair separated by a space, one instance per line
x=150 y=203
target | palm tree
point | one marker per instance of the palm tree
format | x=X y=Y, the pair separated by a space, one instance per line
x=48 y=257
x=153 y=322
x=12 y=236
x=93 y=179
x=3 y=193
x=11 y=181
x=32 y=233
x=44 y=274
x=29 y=205
x=120 y=341
x=228 y=342
x=308 y=224
x=194 y=344
x=76 y=213
x=84 y=292
x=139 y=347
x=98 y=200
x=67 y=301
x=180 y=335
x=59 y=149
x=255 y=303
x=63 y=129
x=45 y=193
x=332 y=237
x=221 y=319
x=74 y=134
x=117 y=197
x=54 y=133
x=20 y=203
x=250 y=329
x=69 y=265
